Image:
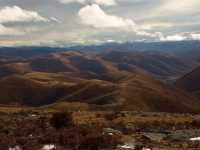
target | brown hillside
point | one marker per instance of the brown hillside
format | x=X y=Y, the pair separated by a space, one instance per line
x=143 y=93
x=22 y=91
x=109 y=81
x=191 y=81
x=137 y=92
x=156 y=64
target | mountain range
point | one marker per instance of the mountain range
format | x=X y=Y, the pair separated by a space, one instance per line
x=139 y=80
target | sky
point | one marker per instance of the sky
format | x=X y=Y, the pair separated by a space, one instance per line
x=71 y=22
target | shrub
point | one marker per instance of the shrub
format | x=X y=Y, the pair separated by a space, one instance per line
x=61 y=120
x=4 y=141
x=92 y=142
x=138 y=147
x=95 y=141
x=84 y=138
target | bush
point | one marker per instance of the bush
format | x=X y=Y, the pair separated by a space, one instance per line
x=61 y=120
x=84 y=138
x=95 y=141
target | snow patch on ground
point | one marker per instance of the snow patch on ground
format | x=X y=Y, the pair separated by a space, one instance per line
x=45 y=147
x=128 y=146
x=195 y=139
x=15 y=148
x=49 y=147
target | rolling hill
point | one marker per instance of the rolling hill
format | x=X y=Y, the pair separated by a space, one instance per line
x=162 y=66
x=143 y=93
x=191 y=81
x=117 y=80
x=105 y=66
x=137 y=92
x=17 y=90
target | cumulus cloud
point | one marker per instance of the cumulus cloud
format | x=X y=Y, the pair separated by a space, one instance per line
x=157 y=25
x=94 y=16
x=17 y=14
x=99 y=2
x=195 y=36
x=9 y=31
x=72 y=1
x=177 y=7
x=54 y=19
x=179 y=37
x=171 y=20
x=175 y=37
x=102 y=20
x=104 y=2
x=183 y=5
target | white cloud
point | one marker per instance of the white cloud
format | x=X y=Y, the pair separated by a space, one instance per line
x=177 y=7
x=105 y=2
x=157 y=25
x=159 y=36
x=183 y=5
x=175 y=37
x=195 y=36
x=99 y=2
x=72 y=1
x=94 y=16
x=102 y=20
x=9 y=31
x=17 y=14
x=54 y=19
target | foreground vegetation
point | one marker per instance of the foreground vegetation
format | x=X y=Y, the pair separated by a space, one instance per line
x=86 y=130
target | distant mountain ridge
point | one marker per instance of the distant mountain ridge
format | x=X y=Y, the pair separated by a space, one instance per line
x=184 y=49
x=102 y=65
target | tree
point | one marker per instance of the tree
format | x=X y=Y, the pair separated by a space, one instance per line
x=61 y=120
